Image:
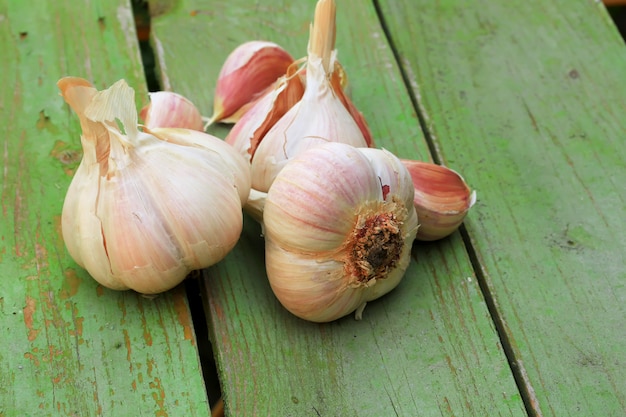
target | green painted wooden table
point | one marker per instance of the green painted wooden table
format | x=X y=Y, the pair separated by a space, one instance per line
x=521 y=312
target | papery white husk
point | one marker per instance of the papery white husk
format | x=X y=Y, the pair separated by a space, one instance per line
x=145 y=212
x=312 y=210
x=318 y=118
x=240 y=136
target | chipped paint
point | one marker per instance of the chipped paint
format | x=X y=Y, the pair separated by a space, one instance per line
x=71 y=342
x=183 y=315
x=71 y=283
x=29 y=312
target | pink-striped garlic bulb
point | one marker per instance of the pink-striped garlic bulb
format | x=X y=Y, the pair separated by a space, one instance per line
x=339 y=224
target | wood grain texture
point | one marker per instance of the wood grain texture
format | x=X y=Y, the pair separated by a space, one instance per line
x=426 y=349
x=69 y=346
x=527 y=99
x=429 y=348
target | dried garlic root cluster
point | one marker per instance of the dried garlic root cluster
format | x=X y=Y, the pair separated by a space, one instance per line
x=339 y=216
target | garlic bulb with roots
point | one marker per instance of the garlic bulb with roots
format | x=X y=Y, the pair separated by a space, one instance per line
x=147 y=207
x=339 y=224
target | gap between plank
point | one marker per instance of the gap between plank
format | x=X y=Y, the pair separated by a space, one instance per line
x=516 y=366
x=199 y=322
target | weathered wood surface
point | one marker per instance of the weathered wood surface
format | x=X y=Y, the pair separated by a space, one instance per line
x=68 y=346
x=429 y=348
x=527 y=99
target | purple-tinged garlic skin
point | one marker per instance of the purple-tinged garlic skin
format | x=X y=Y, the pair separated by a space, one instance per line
x=319 y=117
x=442 y=199
x=248 y=71
x=249 y=131
x=339 y=224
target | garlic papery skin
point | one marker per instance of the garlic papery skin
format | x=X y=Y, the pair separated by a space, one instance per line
x=338 y=79
x=442 y=199
x=248 y=132
x=248 y=71
x=169 y=109
x=338 y=226
x=142 y=212
x=318 y=118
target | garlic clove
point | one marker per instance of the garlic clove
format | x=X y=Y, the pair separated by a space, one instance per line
x=248 y=132
x=323 y=296
x=141 y=212
x=442 y=199
x=248 y=71
x=234 y=167
x=339 y=225
x=169 y=109
x=319 y=117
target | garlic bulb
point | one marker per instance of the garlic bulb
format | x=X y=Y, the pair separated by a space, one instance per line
x=248 y=71
x=339 y=223
x=169 y=109
x=442 y=198
x=142 y=212
x=318 y=117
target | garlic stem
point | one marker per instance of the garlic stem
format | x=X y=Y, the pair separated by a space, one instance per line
x=209 y=121
x=323 y=32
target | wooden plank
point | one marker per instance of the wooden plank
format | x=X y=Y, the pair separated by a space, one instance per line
x=527 y=99
x=69 y=346
x=429 y=348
